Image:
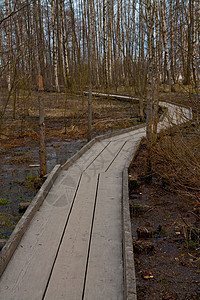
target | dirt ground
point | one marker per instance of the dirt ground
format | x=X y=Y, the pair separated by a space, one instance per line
x=166 y=236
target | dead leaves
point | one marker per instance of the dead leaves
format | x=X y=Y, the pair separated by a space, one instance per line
x=147 y=275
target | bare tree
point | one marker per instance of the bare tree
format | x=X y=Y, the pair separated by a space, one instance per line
x=55 y=60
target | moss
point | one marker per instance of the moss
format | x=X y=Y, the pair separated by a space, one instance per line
x=33 y=182
x=4 y=201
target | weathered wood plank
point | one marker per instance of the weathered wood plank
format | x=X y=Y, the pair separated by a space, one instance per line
x=67 y=278
x=105 y=270
x=131 y=134
x=114 y=96
x=125 y=156
x=88 y=157
x=105 y=158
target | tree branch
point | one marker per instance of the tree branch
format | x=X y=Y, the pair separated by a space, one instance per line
x=13 y=13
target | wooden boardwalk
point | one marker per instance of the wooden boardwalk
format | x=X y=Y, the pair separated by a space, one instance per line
x=72 y=248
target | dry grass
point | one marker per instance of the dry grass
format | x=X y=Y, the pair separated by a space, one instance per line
x=65 y=115
x=176 y=159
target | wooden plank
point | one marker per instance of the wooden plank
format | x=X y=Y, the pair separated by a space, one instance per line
x=128 y=256
x=120 y=161
x=88 y=157
x=67 y=278
x=116 y=155
x=126 y=154
x=115 y=96
x=175 y=115
x=102 y=162
x=130 y=134
x=105 y=270
x=27 y=273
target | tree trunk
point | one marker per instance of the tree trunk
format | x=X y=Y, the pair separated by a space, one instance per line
x=55 y=61
x=9 y=44
x=105 y=63
x=165 y=41
x=42 y=150
x=89 y=72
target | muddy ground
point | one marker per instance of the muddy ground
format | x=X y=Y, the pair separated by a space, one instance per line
x=166 y=236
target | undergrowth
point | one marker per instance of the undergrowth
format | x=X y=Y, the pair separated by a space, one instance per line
x=175 y=159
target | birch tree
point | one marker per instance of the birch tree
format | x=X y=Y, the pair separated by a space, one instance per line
x=89 y=72
x=163 y=13
x=55 y=60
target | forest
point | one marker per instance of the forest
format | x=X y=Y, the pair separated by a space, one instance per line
x=112 y=42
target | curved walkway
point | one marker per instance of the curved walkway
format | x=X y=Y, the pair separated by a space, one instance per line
x=72 y=248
